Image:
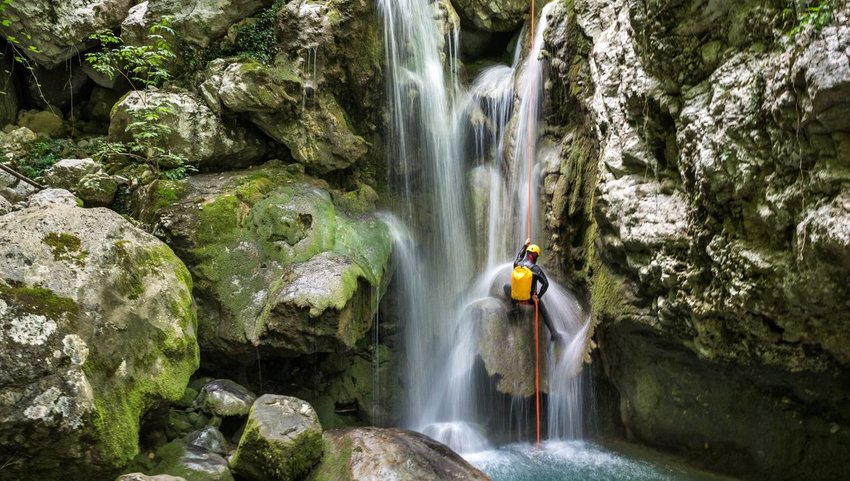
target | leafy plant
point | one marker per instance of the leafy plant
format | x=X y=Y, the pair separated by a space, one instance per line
x=803 y=14
x=145 y=67
x=258 y=40
x=41 y=155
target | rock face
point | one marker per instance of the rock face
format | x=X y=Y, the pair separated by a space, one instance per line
x=702 y=201
x=84 y=177
x=361 y=454
x=493 y=15
x=60 y=30
x=98 y=324
x=278 y=265
x=204 y=138
x=282 y=440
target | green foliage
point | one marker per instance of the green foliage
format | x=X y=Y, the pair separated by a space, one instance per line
x=41 y=155
x=145 y=67
x=258 y=40
x=802 y=14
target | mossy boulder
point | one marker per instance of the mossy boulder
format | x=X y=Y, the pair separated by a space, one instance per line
x=361 y=454
x=282 y=440
x=250 y=86
x=278 y=266
x=97 y=324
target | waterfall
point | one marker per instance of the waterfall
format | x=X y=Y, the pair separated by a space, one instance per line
x=443 y=279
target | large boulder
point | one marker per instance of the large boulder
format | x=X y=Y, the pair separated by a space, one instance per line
x=278 y=265
x=362 y=454
x=197 y=22
x=98 y=325
x=192 y=463
x=59 y=30
x=250 y=86
x=282 y=440
x=197 y=133
x=223 y=397
x=493 y=15
x=321 y=137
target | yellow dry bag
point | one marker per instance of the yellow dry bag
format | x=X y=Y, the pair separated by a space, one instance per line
x=521 y=283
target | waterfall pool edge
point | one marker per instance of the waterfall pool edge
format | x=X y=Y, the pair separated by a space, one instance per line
x=581 y=460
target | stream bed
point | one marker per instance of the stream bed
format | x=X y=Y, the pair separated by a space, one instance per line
x=582 y=461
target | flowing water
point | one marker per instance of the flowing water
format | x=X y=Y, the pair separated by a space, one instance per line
x=458 y=216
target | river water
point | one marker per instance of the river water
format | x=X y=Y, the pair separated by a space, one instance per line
x=582 y=461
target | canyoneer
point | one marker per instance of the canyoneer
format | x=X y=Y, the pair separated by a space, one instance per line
x=525 y=278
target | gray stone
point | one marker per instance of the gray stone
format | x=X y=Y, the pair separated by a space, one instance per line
x=5 y=206
x=282 y=440
x=197 y=133
x=249 y=86
x=223 y=397
x=191 y=463
x=67 y=173
x=362 y=454
x=52 y=197
x=94 y=313
x=60 y=30
x=198 y=22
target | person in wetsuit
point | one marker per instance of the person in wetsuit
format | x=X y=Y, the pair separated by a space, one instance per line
x=527 y=257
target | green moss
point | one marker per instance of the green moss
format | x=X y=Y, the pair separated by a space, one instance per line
x=66 y=248
x=40 y=301
x=278 y=460
x=334 y=465
x=165 y=193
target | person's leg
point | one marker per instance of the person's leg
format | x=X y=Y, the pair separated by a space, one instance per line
x=514 y=309
x=544 y=313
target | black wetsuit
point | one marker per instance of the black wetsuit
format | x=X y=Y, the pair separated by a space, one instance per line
x=537 y=276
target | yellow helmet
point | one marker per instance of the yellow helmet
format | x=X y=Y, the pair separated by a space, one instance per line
x=533 y=248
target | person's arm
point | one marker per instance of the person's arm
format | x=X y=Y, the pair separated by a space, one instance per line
x=541 y=278
x=521 y=254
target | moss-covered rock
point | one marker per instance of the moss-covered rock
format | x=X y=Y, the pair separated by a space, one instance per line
x=282 y=440
x=190 y=463
x=277 y=264
x=98 y=325
x=223 y=397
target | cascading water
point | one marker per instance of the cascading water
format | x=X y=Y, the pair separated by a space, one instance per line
x=438 y=296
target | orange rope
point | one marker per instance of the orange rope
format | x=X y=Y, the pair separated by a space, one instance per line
x=528 y=228
x=537 y=365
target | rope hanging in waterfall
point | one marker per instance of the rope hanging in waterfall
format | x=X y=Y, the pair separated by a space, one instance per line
x=528 y=236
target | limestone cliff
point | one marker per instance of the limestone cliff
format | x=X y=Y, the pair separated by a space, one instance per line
x=702 y=205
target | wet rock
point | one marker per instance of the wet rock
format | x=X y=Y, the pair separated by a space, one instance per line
x=361 y=454
x=277 y=265
x=282 y=440
x=209 y=439
x=223 y=397
x=98 y=323
x=52 y=197
x=60 y=30
x=205 y=139
x=191 y=463
x=493 y=15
